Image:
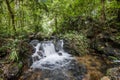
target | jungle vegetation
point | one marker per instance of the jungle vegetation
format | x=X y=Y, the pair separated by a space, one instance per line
x=19 y=19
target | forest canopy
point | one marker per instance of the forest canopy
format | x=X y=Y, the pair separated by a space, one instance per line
x=19 y=17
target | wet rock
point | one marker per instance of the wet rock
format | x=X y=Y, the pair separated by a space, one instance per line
x=34 y=42
x=30 y=61
x=36 y=58
x=60 y=54
x=59 y=45
x=40 y=53
x=33 y=50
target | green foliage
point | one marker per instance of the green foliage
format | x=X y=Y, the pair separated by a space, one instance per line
x=20 y=65
x=113 y=58
x=33 y=16
x=79 y=40
x=10 y=48
x=3 y=50
x=117 y=37
x=14 y=53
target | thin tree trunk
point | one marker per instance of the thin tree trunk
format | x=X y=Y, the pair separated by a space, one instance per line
x=118 y=14
x=103 y=16
x=56 y=23
x=118 y=17
x=11 y=15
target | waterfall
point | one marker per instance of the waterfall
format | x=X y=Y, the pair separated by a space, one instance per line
x=50 y=55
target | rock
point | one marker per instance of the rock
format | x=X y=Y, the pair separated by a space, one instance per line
x=40 y=53
x=36 y=58
x=105 y=78
x=30 y=75
x=60 y=54
x=104 y=44
x=34 y=42
x=30 y=61
x=114 y=73
x=71 y=47
x=59 y=45
x=87 y=77
x=12 y=71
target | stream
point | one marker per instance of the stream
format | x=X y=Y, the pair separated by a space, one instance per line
x=50 y=59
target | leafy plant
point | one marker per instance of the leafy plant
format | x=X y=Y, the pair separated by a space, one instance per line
x=14 y=54
x=113 y=57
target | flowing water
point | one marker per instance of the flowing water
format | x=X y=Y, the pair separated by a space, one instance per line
x=50 y=56
x=54 y=62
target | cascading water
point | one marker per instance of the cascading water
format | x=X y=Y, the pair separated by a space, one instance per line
x=50 y=56
x=53 y=63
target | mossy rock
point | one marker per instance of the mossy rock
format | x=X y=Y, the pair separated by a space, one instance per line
x=114 y=73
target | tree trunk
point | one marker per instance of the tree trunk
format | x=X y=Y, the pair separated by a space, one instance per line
x=118 y=17
x=56 y=26
x=118 y=14
x=103 y=16
x=11 y=15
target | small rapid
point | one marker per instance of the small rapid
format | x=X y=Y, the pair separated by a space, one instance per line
x=50 y=55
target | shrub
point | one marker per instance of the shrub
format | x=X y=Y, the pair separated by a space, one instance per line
x=78 y=41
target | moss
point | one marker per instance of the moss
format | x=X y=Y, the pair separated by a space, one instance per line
x=20 y=65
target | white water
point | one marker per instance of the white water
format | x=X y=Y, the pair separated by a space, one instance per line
x=47 y=57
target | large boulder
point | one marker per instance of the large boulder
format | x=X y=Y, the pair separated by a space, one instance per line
x=76 y=46
x=105 y=43
x=71 y=47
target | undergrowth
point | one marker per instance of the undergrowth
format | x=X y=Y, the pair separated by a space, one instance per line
x=79 y=40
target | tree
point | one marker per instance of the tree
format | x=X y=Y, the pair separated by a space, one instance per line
x=11 y=15
x=103 y=16
x=118 y=14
